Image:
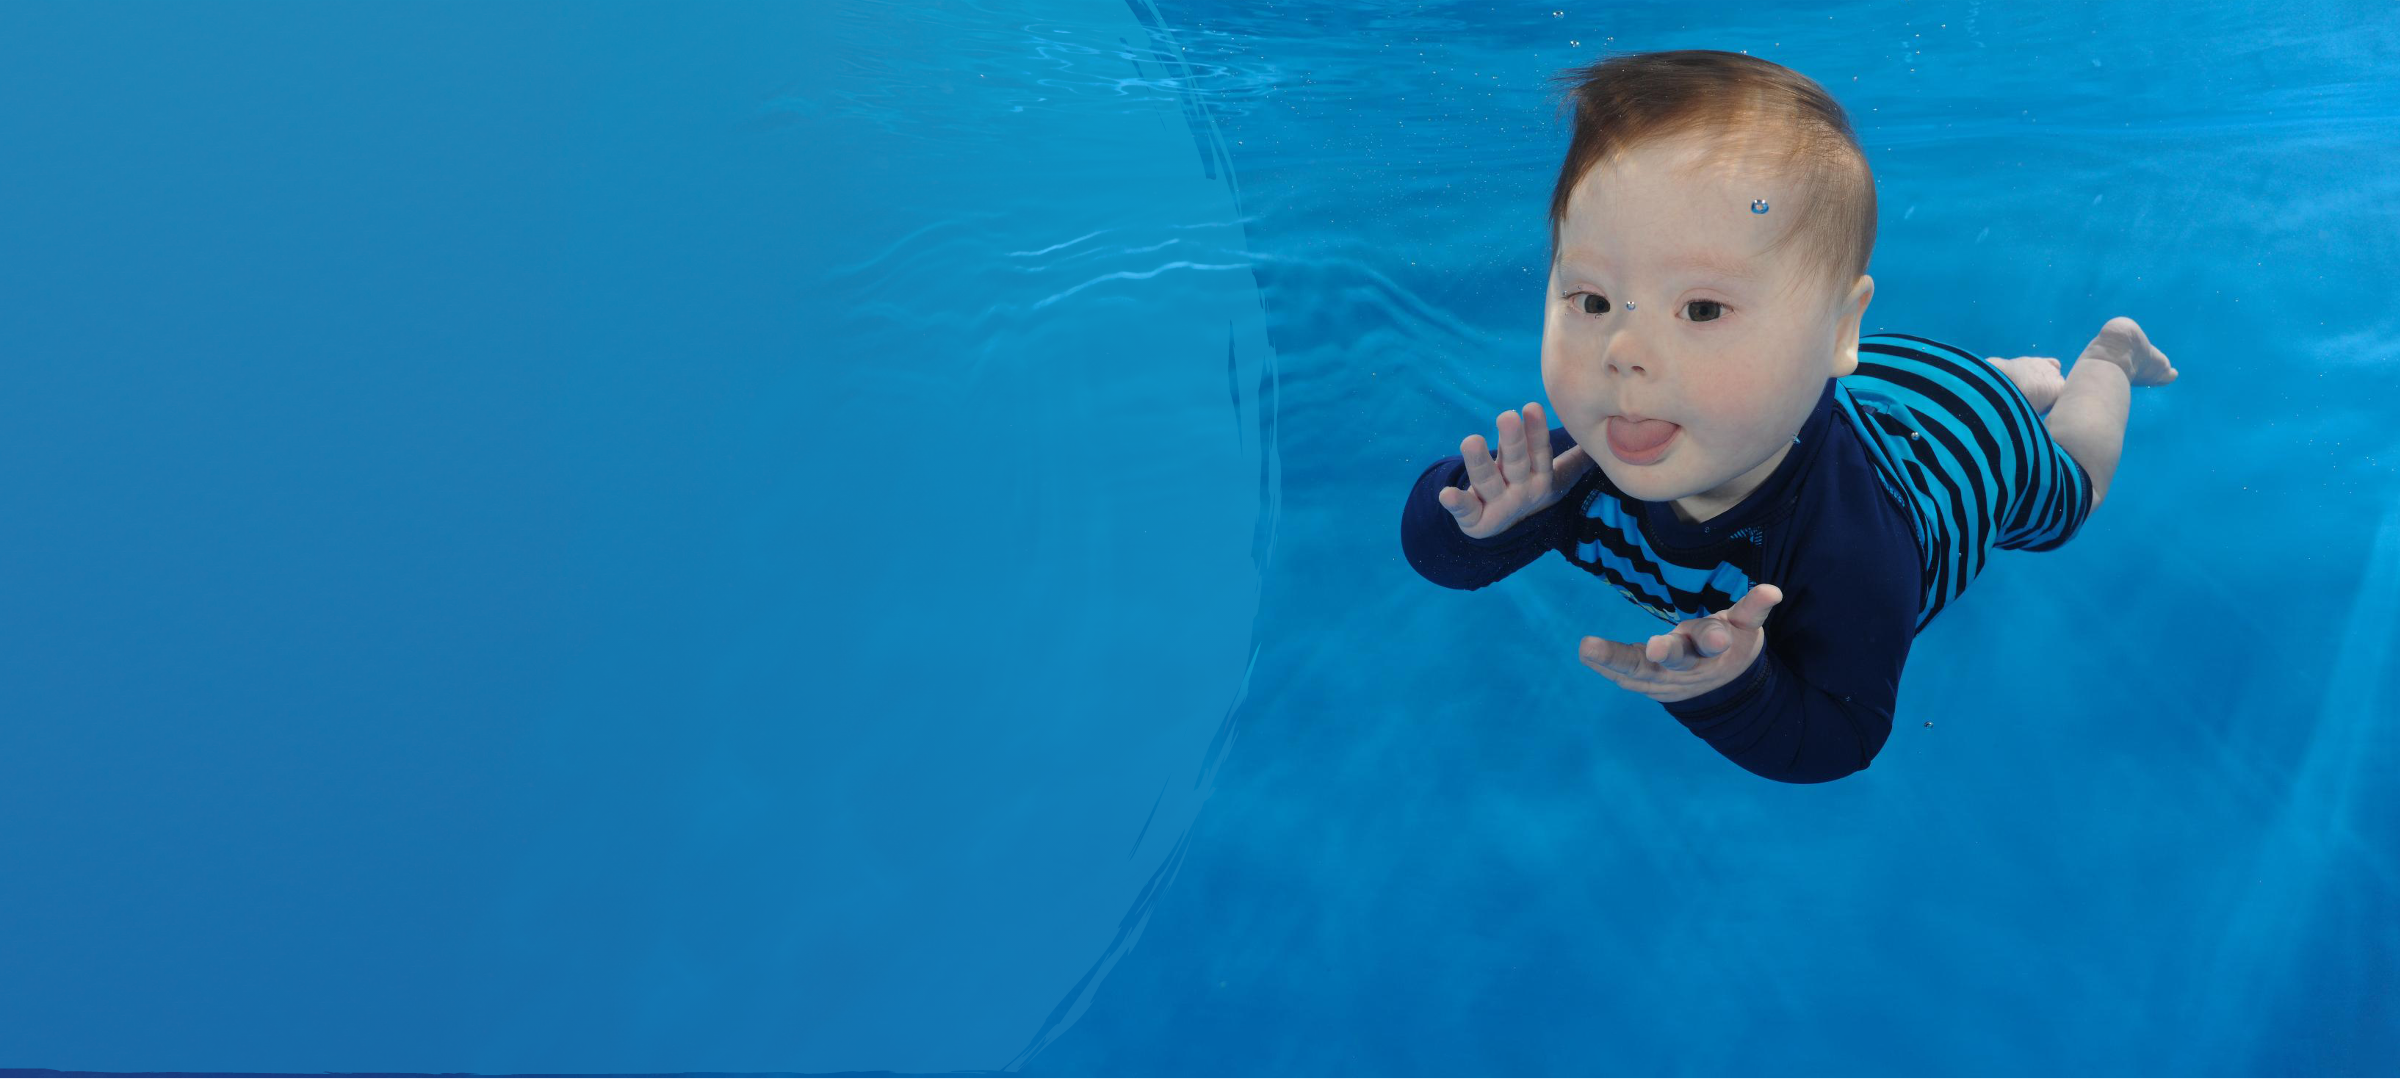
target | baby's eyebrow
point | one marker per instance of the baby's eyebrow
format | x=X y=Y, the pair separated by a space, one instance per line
x=1706 y=261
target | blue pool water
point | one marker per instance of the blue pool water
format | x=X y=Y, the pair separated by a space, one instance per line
x=781 y=537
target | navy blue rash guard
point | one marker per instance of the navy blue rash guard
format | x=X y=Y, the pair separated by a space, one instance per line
x=1900 y=481
x=1816 y=704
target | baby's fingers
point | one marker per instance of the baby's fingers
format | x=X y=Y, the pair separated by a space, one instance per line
x=1482 y=474
x=1524 y=454
x=1668 y=650
x=1536 y=436
x=1683 y=648
x=1462 y=504
x=1516 y=458
x=1492 y=477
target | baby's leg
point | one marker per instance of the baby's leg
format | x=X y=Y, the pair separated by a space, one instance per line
x=2089 y=418
x=2036 y=377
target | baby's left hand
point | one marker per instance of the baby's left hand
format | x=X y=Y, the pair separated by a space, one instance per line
x=1696 y=656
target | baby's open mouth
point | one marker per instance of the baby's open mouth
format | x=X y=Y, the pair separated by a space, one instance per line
x=1639 y=443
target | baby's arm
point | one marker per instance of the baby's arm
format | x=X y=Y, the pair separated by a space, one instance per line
x=1817 y=703
x=1778 y=722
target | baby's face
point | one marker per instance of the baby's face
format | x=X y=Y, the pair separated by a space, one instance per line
x=1734 y=354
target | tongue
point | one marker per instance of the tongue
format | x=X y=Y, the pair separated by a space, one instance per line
x=1644 y=435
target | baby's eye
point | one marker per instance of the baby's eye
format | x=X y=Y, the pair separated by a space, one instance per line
x=1595 y=304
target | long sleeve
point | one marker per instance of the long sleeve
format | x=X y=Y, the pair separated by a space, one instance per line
x=1817 y=703
x=1442 y=553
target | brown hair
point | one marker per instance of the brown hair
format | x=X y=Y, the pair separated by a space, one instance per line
x=1751 y=109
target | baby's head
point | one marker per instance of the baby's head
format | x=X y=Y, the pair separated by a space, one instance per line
x=1709 y=241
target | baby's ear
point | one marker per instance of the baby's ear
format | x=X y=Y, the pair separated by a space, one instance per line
x=1846 y=362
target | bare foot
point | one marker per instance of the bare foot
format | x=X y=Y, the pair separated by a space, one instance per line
x=2123 y=343
x=2036 y=377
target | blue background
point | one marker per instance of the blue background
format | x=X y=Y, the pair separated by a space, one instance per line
x=780 y=537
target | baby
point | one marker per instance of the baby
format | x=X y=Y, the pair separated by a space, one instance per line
x=1731 y=447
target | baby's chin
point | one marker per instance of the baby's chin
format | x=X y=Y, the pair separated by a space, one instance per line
x=1660 y=482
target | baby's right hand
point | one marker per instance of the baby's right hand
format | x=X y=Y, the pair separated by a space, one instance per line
x=1523 y=482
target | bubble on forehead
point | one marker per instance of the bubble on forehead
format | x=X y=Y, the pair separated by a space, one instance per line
x=1693 y=162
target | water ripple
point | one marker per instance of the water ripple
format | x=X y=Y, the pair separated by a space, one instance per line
x=1137 y=275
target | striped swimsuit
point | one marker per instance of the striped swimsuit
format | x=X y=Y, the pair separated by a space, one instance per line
x=1961 y=449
